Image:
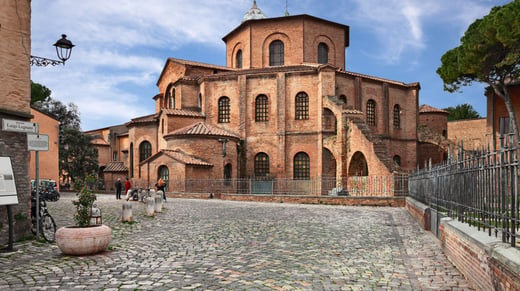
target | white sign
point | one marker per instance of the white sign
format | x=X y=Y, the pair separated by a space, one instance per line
x=8 y=195
x=19 y=126
x=37 y=142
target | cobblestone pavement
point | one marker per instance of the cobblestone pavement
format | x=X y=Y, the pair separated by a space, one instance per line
x=224 y=245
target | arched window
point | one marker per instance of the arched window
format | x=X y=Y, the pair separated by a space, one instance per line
x=261 y=165
x=323 y=53
x=199 y=101
x=302 y=166
x=227 y=174
x=162 y=126
x=145 y=151
x=371 y=112
x=261 y=108
x=276 y=54
x=238 y=59
x=343 y=98
x=397 y=116
x=301 y=106
x=171 y=100
x=223 y=110
x=164 y=173
x=397 y=160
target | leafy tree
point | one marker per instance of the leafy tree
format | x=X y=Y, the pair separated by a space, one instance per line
x=68 y=115
x=39 y=92
x=462 y=111
x=489 y=53
x=78 y=156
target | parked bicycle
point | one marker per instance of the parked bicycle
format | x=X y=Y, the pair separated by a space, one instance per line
x=46 y=222
x=144 y=194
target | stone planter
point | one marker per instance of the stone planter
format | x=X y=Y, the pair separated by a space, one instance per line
x=79 y=241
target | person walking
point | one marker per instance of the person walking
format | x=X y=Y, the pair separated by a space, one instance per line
x=128 y=186
x=119 y=186
x=160 y=187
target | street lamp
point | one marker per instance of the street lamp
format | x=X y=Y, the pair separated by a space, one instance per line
x=63 y=50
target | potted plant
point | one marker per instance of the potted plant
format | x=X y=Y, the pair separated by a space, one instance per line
x=84 y=238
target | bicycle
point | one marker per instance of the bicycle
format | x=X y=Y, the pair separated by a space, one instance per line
x=46 y=222
x=144 y=195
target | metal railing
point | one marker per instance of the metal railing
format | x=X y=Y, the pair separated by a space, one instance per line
x=479 y=188
x=358 y=186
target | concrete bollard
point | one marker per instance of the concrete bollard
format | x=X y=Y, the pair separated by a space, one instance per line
x=127 y=212
x=158 y=202
x=161 y=194
x=150 y=206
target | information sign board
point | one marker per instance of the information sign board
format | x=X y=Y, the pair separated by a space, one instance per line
x=37 y=142
x=8 y=195
x=19 y=126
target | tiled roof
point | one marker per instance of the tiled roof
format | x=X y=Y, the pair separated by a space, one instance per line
x=182 y=112
x=199 y=64
x=143 y=119
x=185 y=158
x=99 y=141
x=429 y=109
x=203 y=129
x=379 y=79
x=115 y=167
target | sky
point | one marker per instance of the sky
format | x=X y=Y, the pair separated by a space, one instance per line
x=121 y=46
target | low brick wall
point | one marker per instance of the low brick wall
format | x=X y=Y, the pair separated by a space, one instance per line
x=421 y=212
x=327 y=200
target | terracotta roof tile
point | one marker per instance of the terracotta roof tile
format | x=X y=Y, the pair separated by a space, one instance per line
x=429 y=109
x=143 y=119
x=185 y=158
x=202 y=129
x=115 y=167
x=182 y=112
x=99 y=141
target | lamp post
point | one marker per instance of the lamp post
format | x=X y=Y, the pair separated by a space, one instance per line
x=63 y=50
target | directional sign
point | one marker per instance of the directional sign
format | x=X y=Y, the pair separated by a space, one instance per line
x=19 y=126
x=37 y=142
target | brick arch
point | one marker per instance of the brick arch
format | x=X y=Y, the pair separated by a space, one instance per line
x=238 y=46
x=358 y=165
x=267 y=41
x=330 y=44
x=329 y=163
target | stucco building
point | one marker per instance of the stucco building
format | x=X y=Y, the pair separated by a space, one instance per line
x=283 y=107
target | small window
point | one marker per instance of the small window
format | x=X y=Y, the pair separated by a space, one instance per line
x=302 y=169
x=343 y=98
x=145 y=151
x=302 y=106
x=397 y=160
x=261 y=108
x=397 y=116
x=371 y=112
x=199 y=102
x=276 y=53
x=223 y=110
x=114 y=156
x=239 y=59
x=323 y=53
x=261 y=165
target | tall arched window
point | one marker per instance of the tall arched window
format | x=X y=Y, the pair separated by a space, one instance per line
x=302 y=166
x=371 y=112
x=301 y=106
x=171 y=100
x=131 y=160
x=261 y=165
x=261 y=108
x=223 y=110
x=164 y=173
x=397 y=116
x=323 y=53
x=227 y=174
x=238 y=59
x=145 y=151
x=199 y=101
x=276 y=54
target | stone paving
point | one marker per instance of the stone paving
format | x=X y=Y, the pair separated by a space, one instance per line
x=223 y=245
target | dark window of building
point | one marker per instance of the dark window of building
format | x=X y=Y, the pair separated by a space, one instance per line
x=164 y=173
x=223 y=110
x=239 y=59
x=323 y=53
x=276 y=54
x=145 y=151
x=162 y=126
x=261 y=108
x=199 y=102
x=131 y=160
x=397 y=160
x=261 y=165
x=397 y=116
x=371 y=112
x=503 y=125
x=227 y=174
x=302 y=106
x=444 y=133
x=114 y=156
x=343 y=98
x=302 y=167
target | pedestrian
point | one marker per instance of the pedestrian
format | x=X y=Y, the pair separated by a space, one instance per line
x=119 y=186
x=160 y=187
x=128 y=187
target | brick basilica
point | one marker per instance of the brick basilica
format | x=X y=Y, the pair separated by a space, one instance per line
x=283 y=107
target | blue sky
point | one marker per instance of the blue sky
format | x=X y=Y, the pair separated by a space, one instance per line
x=122 y=46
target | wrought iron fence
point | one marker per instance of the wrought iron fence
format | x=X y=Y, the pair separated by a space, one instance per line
x=359 y=186
x=479 y=188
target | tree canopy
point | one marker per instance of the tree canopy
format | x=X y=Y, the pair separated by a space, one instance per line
x=489 y=52
x=462 y=111
x=39 y=92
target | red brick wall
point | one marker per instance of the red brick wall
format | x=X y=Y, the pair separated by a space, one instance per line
x=427 y=151
x=472 y=133
x=434 y=120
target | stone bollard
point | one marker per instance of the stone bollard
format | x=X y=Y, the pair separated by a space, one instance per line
x=150 y=206
x=158 y=201
x=127 y=212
